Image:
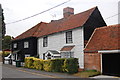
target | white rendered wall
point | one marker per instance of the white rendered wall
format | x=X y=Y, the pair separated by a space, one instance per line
x=58 y=40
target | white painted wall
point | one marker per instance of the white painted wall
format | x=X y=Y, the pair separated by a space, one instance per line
x=58 y=40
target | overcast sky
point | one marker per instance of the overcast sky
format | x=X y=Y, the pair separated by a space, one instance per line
x=18 y=9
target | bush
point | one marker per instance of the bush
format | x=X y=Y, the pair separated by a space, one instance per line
x=5 y=53
x=53 y=65
x=57 y=65
x=47 y=65
x=29 y=62
x=71 y=65
x=38 y=64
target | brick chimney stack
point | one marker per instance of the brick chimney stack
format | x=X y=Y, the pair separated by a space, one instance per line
x=68 y=11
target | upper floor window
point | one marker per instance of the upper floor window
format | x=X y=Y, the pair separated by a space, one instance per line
x=15 y=45
x=26 y=44
x=45 y=41
x=69 y=37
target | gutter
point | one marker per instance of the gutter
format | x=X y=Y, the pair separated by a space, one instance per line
x=109 y=51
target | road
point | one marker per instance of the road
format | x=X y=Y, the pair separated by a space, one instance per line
x=10 y=72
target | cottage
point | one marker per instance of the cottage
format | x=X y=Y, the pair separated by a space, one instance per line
x=63 y=38
x=70 y=34
x=102 y=51
x=25 y=45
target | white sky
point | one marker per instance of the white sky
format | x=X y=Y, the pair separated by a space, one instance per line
x=19 y=9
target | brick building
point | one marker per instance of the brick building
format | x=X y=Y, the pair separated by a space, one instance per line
x=102 y=51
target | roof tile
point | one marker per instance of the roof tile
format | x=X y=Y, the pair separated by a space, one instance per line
x=104 y=38
x=55 y=26
x=67 y=48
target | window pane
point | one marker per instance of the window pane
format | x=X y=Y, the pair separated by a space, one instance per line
x=15 y=45
x=69 y=37
x=68 y=54
x=26 y=45
x=44 y=41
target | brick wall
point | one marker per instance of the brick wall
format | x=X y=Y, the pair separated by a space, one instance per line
x=92 y=61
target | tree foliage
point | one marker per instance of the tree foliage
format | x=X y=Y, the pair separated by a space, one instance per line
x=6 y=42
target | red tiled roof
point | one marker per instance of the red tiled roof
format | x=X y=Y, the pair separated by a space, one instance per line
x=67 y=48
x=104 y=38
x=30 y=32
x=63 y=24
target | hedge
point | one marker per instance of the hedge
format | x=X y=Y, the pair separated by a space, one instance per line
x=29 y=62
x=56 y=65
x=38 y=64
x=5 y=53
x=47 y=65
x=69 y=65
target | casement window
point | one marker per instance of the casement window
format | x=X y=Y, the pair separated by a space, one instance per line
x=15 y=45
x=69 y=37
x=26 y=44
x=45 y=41
x=67 y=54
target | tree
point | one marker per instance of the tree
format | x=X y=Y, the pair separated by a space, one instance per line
x=6 y=42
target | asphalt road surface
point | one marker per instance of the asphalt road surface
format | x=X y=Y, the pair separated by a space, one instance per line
x=12 y=73
x=9 y=71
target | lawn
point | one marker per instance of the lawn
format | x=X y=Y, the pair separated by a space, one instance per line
x=87 y=73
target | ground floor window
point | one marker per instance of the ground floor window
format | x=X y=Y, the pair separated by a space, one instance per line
x=27 y=55
x=67 y=54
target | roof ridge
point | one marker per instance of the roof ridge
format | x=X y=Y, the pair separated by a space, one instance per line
x=90 y=13
x=71 y=22
x=76 y=14
x=28 y=30
x=107 y=26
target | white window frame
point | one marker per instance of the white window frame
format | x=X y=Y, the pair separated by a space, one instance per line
x=15 y=45
x=26 y=44
x=69 y=38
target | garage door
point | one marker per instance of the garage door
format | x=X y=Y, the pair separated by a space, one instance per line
x=111 y=64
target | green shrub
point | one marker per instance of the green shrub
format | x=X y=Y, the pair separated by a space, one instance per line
x=5 y=53
x=38 y=64
x=47 y=65
x=53 y=65
x=71 y=65
x=57 y=65
x=29 y=62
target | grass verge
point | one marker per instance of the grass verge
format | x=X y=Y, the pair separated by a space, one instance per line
x=87 y=73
